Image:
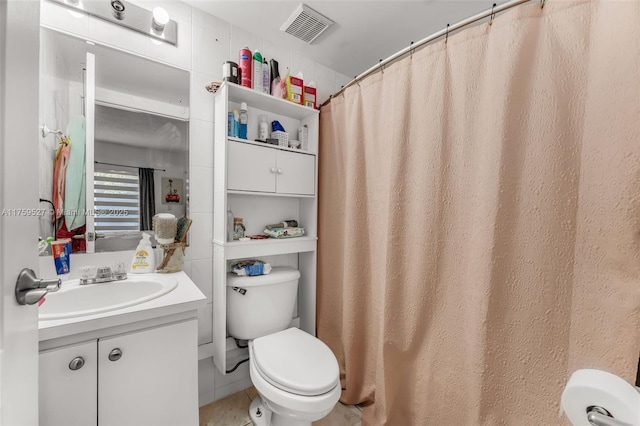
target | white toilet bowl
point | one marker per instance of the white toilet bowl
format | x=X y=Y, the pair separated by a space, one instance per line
x=297 y=378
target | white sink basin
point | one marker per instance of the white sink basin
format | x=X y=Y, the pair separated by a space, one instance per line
x=75 y=300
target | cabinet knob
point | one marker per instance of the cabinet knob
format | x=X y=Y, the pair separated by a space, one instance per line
x=76 y=364
x=273 y=170
x=279 y=171
x=115 y=354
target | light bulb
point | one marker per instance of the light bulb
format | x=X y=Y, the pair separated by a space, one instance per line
x=160 y=19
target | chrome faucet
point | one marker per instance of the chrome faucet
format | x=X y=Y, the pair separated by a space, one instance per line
x=104 y=274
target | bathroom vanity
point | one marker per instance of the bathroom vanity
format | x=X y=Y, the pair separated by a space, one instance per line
x=130 y=365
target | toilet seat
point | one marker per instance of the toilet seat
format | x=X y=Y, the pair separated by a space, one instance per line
x=296 y=362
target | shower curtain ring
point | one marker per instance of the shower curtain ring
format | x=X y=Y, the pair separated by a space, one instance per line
x=493 y=15
x=542 y=4
x=411 y=49
x=446 y=38
x=355 y=78
x=381 y=66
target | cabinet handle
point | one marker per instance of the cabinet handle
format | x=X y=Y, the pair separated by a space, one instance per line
x=115 y=354
x=76 y=364
x=273 y=170
x=279 y=171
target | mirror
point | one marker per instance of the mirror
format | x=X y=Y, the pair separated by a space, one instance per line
x=115 y=149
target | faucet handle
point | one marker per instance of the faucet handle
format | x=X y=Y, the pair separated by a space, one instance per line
x=104 y=272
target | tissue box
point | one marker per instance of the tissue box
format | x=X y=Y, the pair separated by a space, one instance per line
x=309 y=98
x=294 y=89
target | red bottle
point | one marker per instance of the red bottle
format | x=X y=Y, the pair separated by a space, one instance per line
x=244 y=63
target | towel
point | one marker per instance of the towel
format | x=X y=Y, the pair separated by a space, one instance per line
x=59 y=175
x=75 y=196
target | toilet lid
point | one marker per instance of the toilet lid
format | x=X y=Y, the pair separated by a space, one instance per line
x=296 y=362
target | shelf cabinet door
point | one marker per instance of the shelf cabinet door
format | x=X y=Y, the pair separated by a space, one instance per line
x=296 y=173
x=251 y=168
x=67 y=391
x=154 y=381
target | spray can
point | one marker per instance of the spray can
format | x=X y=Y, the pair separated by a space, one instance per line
x=244 y=63
x=257 y=71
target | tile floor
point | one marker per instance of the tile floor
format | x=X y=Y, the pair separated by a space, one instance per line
x=234 y=411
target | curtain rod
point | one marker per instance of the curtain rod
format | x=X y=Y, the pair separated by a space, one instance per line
x=124 y=165
x=444 y=32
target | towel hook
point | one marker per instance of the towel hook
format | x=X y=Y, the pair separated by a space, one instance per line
x=44 y=131
x=447 y=35
x=493 y=15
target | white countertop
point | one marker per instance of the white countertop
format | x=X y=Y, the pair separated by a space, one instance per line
x=184 y=298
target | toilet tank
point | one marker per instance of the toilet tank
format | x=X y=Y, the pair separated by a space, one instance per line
x=261 y=305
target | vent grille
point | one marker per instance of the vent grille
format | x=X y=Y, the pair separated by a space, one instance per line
x=306 y=24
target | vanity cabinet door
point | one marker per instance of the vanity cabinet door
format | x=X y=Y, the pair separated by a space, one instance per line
x=149 y=377
x=251 y=168
x=296 y=173
x=67 y=385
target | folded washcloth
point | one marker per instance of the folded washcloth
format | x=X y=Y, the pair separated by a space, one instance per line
x=284 y=232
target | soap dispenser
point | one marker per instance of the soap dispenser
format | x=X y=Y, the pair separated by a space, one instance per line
x=144 y=260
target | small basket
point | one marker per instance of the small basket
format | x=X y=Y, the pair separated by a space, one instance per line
x=283 y=137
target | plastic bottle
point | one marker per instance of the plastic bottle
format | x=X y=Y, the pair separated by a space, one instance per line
x=275 y=79
x=257 y=71
x=266 y=80
x=229 y=225
x=144 y=260
x=263 y=128
x=236 y=123
x=244 y=118
x=230 y=124
x=244 y=65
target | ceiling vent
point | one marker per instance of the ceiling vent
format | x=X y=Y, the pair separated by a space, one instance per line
x=306 y=24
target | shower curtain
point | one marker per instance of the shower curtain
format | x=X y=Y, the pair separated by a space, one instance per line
x=479 y=219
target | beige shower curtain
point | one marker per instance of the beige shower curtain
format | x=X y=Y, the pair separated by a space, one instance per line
x=480 y=219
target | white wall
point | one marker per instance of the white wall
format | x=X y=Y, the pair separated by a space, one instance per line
x=204 y=43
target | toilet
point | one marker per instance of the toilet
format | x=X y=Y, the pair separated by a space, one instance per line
x=296 y=375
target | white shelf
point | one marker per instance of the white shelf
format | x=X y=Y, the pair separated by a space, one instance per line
x=267 y=102
x=267 y=194
x=268 y=247
x=268 y=145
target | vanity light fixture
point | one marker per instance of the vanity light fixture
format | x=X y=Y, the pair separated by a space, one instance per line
x=155 y=24
x=159 y=20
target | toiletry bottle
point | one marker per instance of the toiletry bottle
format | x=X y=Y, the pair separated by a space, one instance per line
x=238 y=228
x=229 y=225
x=275 y=79
x=144 y=260
x=236 y=123
x=257 y=71
x=230 y=124
x=266 y=80
x=263 y=128
x=244 y=118
x=244 y=65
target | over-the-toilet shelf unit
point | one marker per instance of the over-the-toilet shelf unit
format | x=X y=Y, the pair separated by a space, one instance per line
x=263 y=184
